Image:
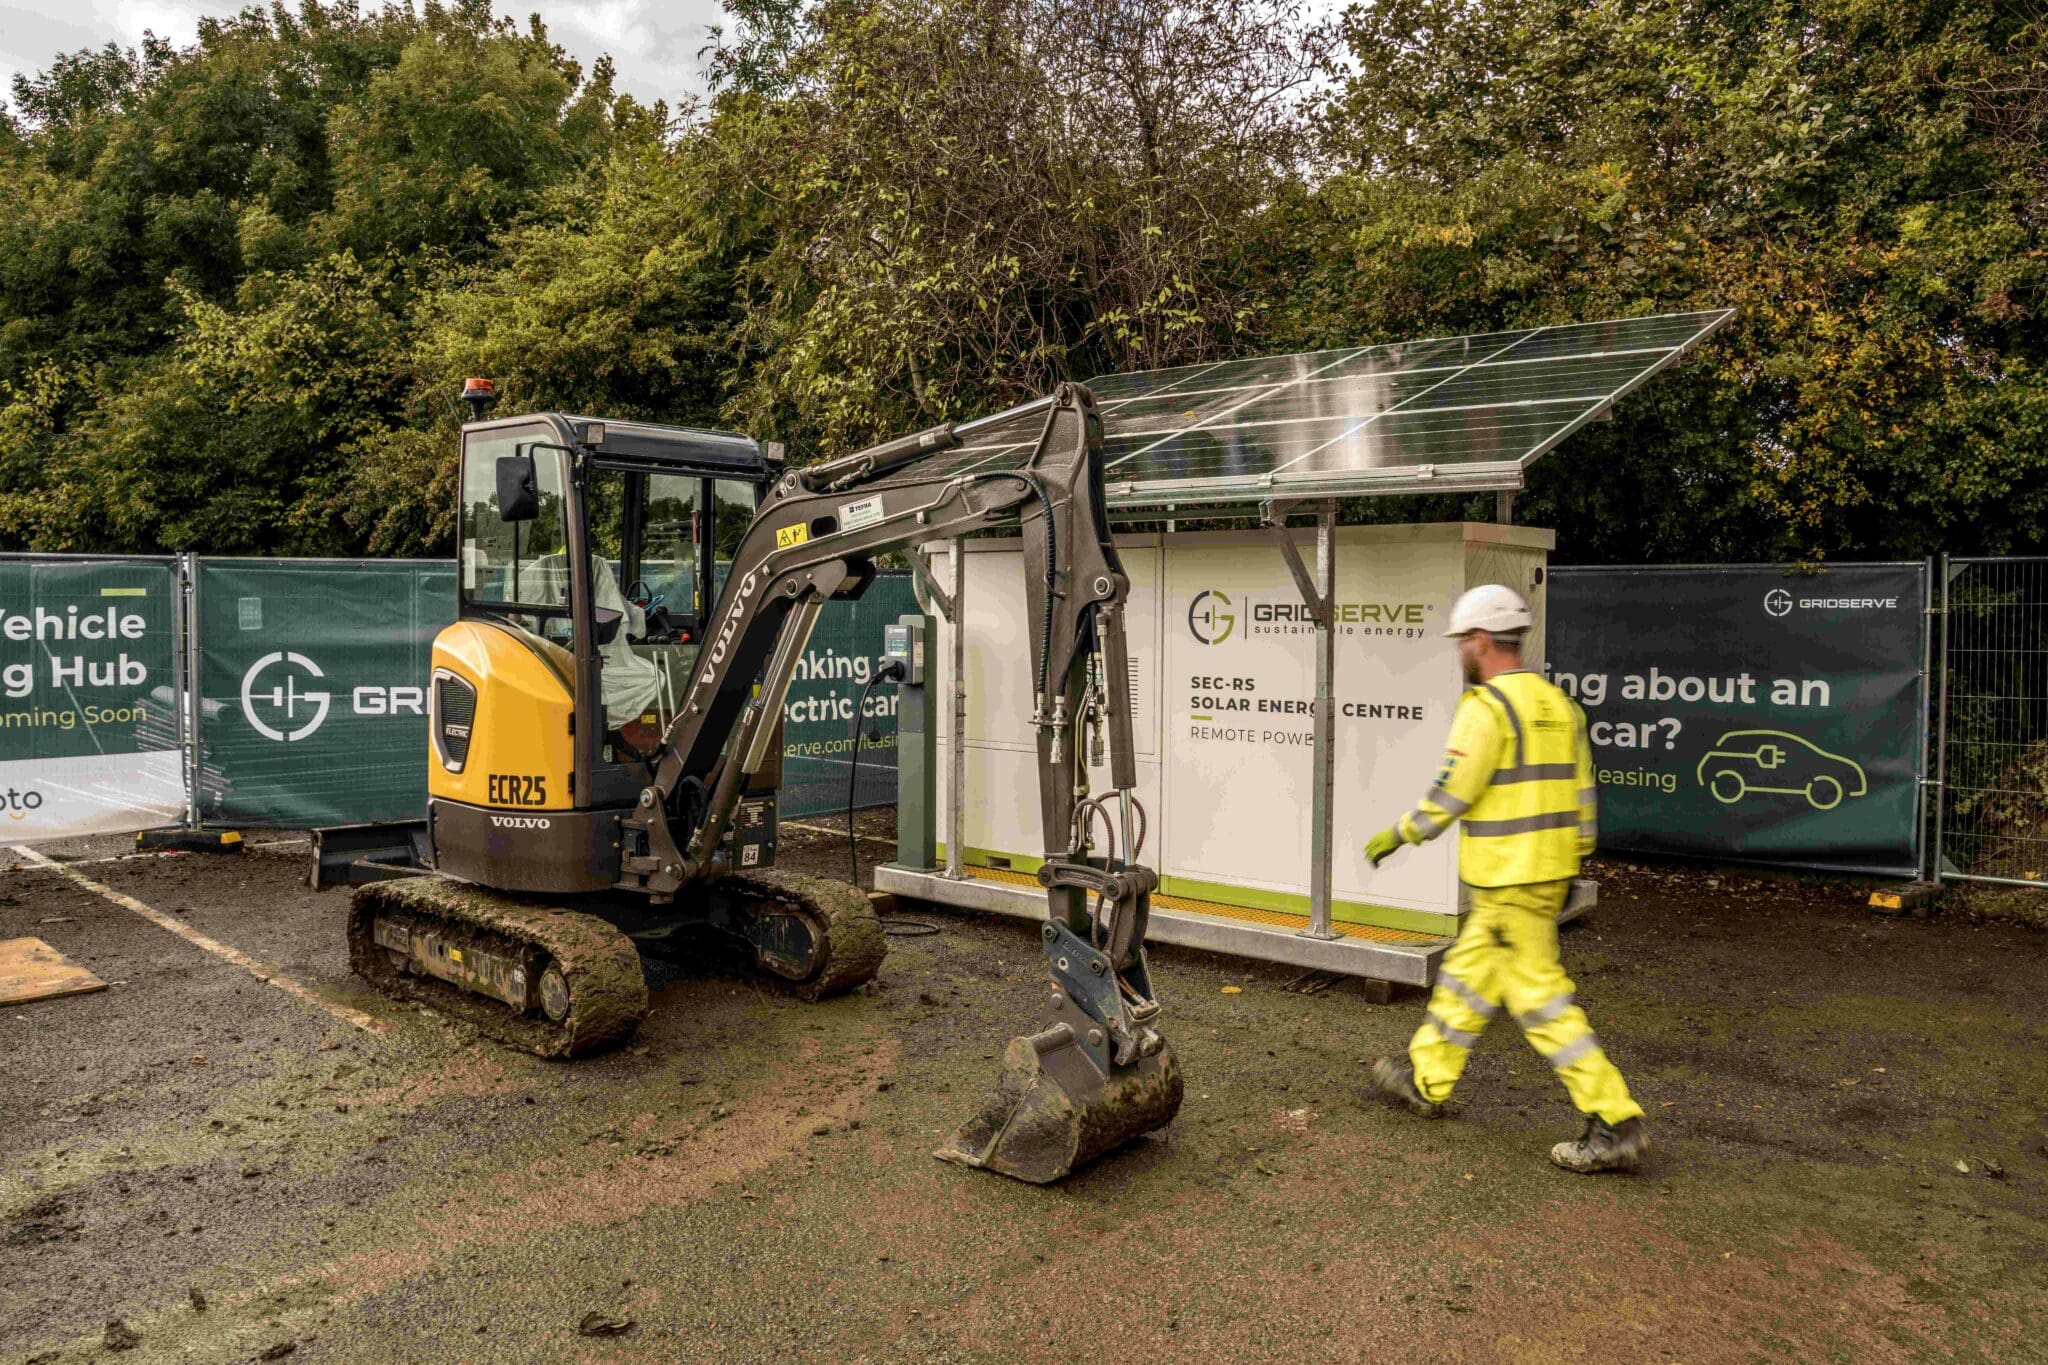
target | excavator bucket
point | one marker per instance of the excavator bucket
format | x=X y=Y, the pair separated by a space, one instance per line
x=1054 y=1109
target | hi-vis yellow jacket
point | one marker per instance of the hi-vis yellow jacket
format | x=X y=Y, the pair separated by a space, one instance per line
x=1519 y=773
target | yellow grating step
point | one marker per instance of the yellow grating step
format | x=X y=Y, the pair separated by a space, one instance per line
x=1276 y=919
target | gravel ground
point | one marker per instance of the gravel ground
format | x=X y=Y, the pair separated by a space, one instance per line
x=1851 y=1116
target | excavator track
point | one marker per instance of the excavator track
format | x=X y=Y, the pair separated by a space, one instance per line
x=812 y=936
x=552 y=982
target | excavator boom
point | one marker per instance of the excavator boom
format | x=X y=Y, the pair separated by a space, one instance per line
x=1099 y=1073
x=524 y=682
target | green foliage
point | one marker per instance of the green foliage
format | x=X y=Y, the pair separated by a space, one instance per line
x=1844 y=173
x=240 y=281
x=215 y=262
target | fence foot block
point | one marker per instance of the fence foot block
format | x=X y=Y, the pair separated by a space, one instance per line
x=1909 y=898
x=189 y=841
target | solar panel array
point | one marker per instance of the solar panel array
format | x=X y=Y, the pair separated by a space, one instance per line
x=1466 y=412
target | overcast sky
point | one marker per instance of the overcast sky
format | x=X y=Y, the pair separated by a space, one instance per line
x=654 y=44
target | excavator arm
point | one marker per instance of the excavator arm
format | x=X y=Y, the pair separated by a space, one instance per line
x=1099 y=1073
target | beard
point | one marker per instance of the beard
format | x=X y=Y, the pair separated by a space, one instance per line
x=1471 y=670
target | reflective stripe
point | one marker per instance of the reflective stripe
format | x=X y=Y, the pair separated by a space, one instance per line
x=1451 y=804
x=1456 y=1036
x=1429 y=827
x=1480 y=1005
x=1514 y=721
x=1588 y=795
x=1547 y=1011
x=1538 y=772
x=1573 y=1051
x=1494 y=829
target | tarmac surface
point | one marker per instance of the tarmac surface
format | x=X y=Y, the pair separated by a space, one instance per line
x=1851 y=1117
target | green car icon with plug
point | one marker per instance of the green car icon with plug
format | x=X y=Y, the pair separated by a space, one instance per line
x=1745 y=761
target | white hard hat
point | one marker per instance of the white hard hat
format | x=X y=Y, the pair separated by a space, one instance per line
x=1491 y=608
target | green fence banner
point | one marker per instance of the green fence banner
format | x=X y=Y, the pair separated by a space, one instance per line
x=817 y=736
x=313 y=679
x=1751 y=712
x=89 y=732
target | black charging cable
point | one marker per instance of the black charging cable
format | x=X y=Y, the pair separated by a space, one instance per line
x=891 y=671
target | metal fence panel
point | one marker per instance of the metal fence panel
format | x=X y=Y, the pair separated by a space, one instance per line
x=1992 y=820
x=90 y=729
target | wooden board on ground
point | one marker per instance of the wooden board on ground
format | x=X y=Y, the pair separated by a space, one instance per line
x=31 y=969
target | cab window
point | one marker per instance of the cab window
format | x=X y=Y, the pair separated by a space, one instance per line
x=520 y=567
x=734 y=501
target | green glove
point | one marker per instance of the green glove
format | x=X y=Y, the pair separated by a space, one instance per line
x=1381 y=845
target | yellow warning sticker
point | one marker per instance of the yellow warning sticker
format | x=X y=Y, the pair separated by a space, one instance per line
x=792 y=535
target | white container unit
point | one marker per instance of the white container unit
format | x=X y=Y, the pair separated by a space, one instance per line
x=1223 y=665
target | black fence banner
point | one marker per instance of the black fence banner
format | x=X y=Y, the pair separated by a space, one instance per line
x=1751 y=712
x=818 y=735
x=89 y=732
x=313 y=687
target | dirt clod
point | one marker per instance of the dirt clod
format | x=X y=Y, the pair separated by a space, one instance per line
x=277 y=1351
x=198 y=1299
x=119 y=1336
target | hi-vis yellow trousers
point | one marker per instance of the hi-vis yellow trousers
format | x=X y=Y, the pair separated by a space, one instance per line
x=1507 y=955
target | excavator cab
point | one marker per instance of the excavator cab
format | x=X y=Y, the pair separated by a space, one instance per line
x=599 y=547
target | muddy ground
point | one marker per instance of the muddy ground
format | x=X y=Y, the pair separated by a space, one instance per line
x=750 y=1178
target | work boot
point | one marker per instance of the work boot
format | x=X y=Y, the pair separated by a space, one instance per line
x=1604 y=1146
x=1394 y=1082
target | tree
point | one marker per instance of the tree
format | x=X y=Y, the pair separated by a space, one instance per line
x=212 y=259
x=977 y=198
x=1827 y=169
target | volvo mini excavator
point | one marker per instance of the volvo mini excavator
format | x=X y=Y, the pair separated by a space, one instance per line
x=596 y=733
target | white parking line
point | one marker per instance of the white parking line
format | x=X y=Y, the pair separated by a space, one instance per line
x=211 y=945
x=835 y=833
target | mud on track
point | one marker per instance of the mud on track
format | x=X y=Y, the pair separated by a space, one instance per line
x=749 y=1177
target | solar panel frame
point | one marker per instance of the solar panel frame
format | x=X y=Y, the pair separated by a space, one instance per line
x=1303 y=477
x=1521 y=391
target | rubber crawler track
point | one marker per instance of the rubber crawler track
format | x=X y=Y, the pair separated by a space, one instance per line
x=845 y=919
x=607 y=989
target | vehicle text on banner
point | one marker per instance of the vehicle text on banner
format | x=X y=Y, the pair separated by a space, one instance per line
x=89 y=739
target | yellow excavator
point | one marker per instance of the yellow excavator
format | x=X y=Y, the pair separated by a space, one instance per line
x=634 y=601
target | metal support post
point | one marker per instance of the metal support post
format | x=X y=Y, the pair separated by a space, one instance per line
x=1320 y=595
x=1322 y=813
x=1504 y=506
x=921 y=567
x=1926 y=779
x=185 y=625
x=956 y=780
x=1941 y=732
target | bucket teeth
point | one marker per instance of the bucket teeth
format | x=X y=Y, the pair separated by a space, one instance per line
x=1053 y=1110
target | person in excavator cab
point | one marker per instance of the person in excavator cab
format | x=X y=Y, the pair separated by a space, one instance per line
x=629 y=684
x=1518 y=772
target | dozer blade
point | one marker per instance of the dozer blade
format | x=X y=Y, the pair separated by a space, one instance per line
x=552 y=982
x=1054 y=1109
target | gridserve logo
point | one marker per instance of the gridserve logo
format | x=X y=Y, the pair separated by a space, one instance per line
x=284 y=700
x=1778 y=602
x=1210 y=618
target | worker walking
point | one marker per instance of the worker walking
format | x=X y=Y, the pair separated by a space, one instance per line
x=1518 y=772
